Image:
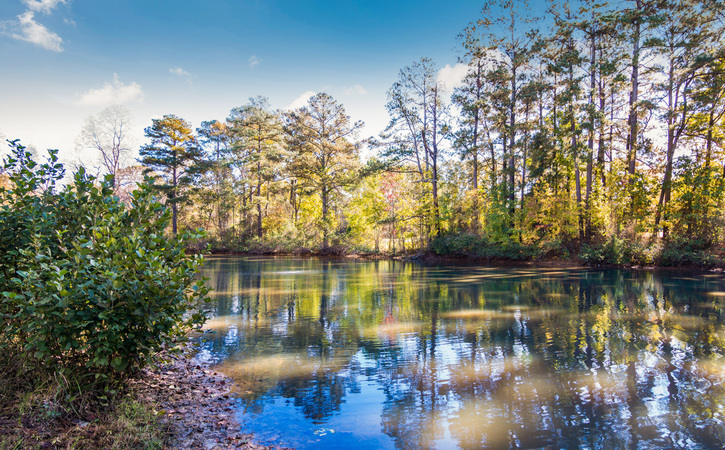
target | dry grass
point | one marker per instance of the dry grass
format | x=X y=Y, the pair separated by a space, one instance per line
x=40 y=410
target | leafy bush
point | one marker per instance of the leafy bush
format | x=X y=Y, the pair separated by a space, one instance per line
x=619 y=251
x=88 y=282
x=465 y=244
x=685 y=252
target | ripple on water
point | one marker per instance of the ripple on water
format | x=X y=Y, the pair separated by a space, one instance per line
x=404 y=355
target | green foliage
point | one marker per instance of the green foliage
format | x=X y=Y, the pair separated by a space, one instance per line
x=324 y=159
x=687 y=252
x=620 y=251
x=174 y=157
x=88 y=282
x=286 y=240
x=465 y=244
x=551 y=145
x=699 y=192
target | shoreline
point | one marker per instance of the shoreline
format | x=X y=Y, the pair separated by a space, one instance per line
x=429 y=258
x=175 y=402
x=194 y=403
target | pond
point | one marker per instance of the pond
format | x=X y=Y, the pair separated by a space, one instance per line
x=392 y=354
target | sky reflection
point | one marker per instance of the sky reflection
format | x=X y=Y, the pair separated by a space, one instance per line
x=386 y=354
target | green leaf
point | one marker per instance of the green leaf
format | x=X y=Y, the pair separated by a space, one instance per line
x=119 y=364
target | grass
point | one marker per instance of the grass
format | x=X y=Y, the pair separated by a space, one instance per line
x=128 y=424
x=40 y=410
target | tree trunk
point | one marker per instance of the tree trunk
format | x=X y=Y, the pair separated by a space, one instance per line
x=577 y=180
x=575 y=155
x=601 y=144
x=434 y=164
x=708 y=146
x=325 y=212
x=259 y=203
x=477 y=112
x=667 y=180
x=523 y=156
x=172 y=197
x=590 y=143
x=174 y=214
x=633 y=99
x=512 y=142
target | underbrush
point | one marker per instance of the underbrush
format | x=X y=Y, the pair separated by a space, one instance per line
x=91 y=289
x=677 y=252
x=469 y=245
x=613 y=250
x=42 y=409
x=619 y=251
x=690 y=253
x=285 y=241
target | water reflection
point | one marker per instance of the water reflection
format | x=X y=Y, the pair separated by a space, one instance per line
x=386 y=354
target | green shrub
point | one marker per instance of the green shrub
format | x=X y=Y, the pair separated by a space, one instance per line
x=465 y=244
x=685 y=252
x=619 y=251
x=89 y=282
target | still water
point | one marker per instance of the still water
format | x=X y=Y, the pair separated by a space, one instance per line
x=391 y=354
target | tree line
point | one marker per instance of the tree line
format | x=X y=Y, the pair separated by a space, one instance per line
x=596 y=129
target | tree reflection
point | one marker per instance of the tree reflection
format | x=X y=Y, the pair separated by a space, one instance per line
x=479 y=357
x=318 y=397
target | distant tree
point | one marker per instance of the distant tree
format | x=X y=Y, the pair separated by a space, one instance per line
x=683 y=45
x=468 y=139
x=127 y=180
x=108 y=133
x=257 y=139
x=323 y=159
x=417 y=128
x=638 y=23
x=567 y=65
x=173 y=155
x=507 y=36
x=216 y=179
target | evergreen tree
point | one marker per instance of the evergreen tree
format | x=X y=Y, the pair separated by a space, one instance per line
x=257 y=139
x=216 y=176
x=173 y=156
x=323 y=159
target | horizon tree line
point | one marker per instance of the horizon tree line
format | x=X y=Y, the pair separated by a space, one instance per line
x=597 y=121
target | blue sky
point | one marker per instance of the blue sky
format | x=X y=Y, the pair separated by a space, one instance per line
x=64 y=60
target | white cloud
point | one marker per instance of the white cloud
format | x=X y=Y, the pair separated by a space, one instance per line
x=357 y=89
x=301 y=101
x=254 y=61
x=35 y=33
x=45 y=6
x=179 y=71
x=112 y=93
x=452 y=77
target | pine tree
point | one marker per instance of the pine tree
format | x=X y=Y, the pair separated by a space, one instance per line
x=172 y=156
x=323 y=159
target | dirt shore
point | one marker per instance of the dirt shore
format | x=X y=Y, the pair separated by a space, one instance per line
x=194 y=403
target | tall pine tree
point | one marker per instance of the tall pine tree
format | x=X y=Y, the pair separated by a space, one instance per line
x=172 y=156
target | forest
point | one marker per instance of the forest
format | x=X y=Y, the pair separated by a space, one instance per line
x=592 y=132
x=587 y=131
